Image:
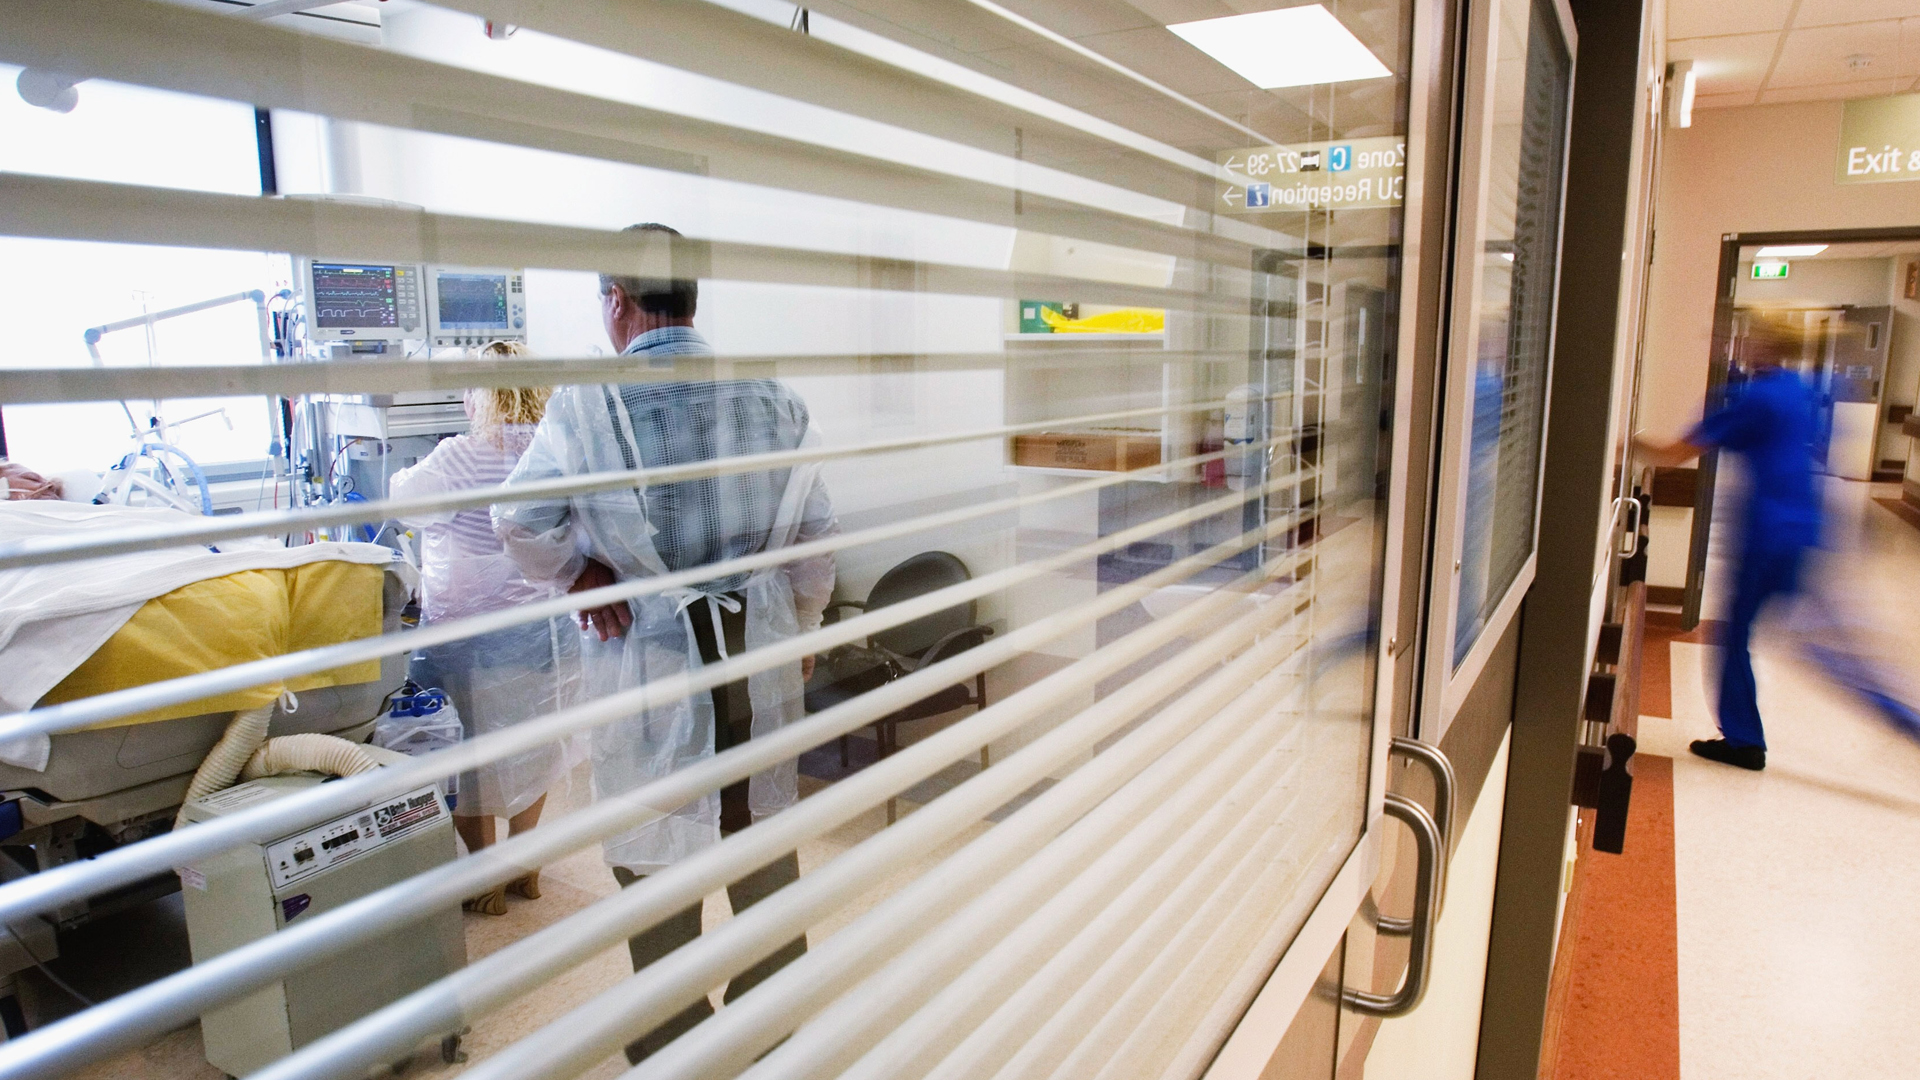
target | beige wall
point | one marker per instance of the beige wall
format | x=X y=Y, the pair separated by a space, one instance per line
x=1767 y=167
x=1818 y=283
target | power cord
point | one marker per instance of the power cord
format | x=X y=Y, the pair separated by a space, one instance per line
x=47 y=971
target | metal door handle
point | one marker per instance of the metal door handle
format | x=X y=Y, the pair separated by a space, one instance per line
x=1445 y=786
x=1629 y=543
x=1426 y=895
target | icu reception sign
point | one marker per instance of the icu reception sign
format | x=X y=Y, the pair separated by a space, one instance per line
x=1880 y=140
x=1348 y=175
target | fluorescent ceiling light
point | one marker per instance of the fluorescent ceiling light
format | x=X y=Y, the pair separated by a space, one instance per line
x=1682 y=84
x=1296 y=46
x=1790 y=251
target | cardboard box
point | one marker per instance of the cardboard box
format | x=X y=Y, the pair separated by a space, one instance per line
x=1093 y=451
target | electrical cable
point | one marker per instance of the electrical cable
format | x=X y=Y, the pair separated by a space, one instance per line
x=56 y=980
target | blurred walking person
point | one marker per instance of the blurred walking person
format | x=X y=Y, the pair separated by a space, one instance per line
x=1770 y=420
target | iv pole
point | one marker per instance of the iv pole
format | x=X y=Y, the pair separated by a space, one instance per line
x=159 y=427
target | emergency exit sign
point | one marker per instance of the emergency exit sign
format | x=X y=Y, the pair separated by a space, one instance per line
x=1879 y=140
x=1769 y=271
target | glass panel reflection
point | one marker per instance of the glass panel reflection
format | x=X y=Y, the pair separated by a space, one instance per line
x=1516 y=269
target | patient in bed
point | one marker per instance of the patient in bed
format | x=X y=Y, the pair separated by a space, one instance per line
x=500 y=679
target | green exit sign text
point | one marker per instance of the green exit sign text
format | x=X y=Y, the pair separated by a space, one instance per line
x=1765 y=271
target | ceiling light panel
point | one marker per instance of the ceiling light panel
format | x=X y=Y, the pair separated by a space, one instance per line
x=1296 y=46
x=1790 y=251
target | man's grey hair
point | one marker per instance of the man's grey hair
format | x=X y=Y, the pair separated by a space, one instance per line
x=673 y=297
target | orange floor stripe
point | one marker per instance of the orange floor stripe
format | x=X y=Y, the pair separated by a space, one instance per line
x=1656 y=665
x=1622 y=1012
x=1656 y=659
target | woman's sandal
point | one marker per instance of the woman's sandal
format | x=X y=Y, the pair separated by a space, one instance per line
x=527 y=887
x=488 y=903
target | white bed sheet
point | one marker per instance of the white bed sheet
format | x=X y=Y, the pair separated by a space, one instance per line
x=53 y=617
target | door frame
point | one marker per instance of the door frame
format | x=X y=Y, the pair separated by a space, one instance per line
x=1720 y=359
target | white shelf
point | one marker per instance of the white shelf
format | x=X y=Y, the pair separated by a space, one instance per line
x=1144 y=339
x=1083 y=474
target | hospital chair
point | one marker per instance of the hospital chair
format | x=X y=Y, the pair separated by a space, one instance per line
x=896 y=652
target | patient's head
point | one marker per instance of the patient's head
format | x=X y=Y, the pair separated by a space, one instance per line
x=494 y=409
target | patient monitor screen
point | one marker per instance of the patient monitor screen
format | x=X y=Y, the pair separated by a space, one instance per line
x=356 y=301
x=473 y=305
x=348 y=296
x=472 y=302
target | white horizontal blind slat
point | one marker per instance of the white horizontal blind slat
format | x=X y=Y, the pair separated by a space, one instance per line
x=606 y=1023
x=48 y=889
x=1168 y=742
x=159 y=45
x=98 y=542
x=36 y=385
x=709 y=39
x=63 y=209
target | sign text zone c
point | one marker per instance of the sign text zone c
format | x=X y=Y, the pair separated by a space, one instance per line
x=1353 y=174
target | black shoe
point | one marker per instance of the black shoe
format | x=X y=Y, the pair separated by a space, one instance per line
x=1726 y=753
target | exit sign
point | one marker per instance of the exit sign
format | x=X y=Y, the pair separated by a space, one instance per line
x=1765 y=271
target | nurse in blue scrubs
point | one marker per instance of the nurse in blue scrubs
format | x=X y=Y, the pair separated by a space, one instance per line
x=1770 y=420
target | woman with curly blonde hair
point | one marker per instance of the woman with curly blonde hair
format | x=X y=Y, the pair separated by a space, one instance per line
x=501 y=679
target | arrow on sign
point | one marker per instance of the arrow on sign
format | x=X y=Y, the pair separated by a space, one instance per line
x=1232 y=163
x=1228 y=196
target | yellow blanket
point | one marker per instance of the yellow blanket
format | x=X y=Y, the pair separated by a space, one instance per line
x=230 y=620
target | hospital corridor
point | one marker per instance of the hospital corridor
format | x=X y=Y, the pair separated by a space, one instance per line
x=1756 y=914
x=959 y=539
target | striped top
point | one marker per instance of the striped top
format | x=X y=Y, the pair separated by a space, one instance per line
x=463 y=568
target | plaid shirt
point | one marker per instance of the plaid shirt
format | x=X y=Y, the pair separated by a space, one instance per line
x=723 y=517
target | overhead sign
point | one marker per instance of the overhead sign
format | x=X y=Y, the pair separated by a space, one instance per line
x=1880 y=140
x=1350 y=174
x=1769 y=271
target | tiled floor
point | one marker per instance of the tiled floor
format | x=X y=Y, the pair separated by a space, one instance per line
x=1797 y=951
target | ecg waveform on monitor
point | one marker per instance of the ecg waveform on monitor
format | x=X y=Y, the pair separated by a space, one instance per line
x=354 y=296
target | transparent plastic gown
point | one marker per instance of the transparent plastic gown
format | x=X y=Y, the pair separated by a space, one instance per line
x=501 y=679
x=551 y=542
x=498 y=680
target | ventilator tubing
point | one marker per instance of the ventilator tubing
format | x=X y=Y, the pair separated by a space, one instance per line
x=245 y=753
x=245 y=732
x=308 y=753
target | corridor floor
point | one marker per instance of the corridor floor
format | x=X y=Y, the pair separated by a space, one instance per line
x=1794 y=952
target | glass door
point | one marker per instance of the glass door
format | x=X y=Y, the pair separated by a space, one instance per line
x=1505 y=281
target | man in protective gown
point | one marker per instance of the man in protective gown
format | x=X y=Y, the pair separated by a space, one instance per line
x=593 y=540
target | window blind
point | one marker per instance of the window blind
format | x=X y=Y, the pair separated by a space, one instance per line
x=963 y=238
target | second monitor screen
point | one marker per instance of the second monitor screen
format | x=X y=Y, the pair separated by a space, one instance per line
x=472 y=302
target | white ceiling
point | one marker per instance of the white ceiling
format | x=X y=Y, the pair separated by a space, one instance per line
x=1760 y=52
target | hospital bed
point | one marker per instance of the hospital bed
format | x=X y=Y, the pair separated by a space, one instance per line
x=113 y=785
